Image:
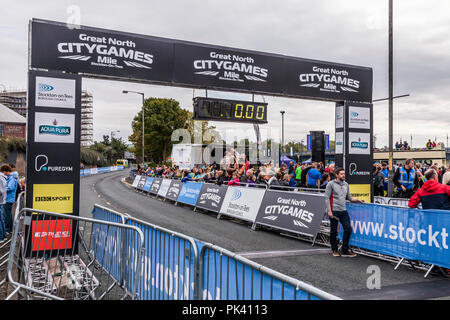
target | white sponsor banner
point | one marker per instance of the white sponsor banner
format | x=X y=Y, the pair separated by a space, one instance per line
x=242 y=203
x=137 y=178
x=339 y=143
x=359 y=143
x=339 y=117
x=54 y=127
x=165 y=185
x=55 y=92
x=359 y=118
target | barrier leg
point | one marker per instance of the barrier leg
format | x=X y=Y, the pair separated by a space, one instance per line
x=254 y=226
x=399 y=263
x=429 y=270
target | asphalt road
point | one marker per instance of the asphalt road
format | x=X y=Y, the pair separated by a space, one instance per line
x=345 y=277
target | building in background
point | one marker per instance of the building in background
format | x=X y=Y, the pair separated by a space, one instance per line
x=15 y=100
x=87 y=119
x=12 y=124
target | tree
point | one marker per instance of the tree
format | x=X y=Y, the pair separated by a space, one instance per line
x=110 y=149
x=161 y=118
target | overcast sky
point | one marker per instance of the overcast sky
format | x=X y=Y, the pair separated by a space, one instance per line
x=344 y=31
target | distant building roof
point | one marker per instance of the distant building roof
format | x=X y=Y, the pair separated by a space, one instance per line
x=9 y=116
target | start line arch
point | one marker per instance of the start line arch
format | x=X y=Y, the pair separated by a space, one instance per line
x=61 y=54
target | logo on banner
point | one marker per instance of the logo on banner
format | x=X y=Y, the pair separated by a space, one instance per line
x=329 y=80
x=41 y=165
x=353 y=169
x=51 y=234
x=231 y=67
x=360 y=145
x=109 y=52
x=54 y=127
x=53 y=197
x=289 y=207
x=236 y=195
x=359 y=118
x=361 y=191
x=55 y=92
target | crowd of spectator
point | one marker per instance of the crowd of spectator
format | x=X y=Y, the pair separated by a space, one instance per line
x=236 y=170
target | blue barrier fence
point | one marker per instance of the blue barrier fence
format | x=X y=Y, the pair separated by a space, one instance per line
x=92 y=171
x=419 y=235
x=173 y=269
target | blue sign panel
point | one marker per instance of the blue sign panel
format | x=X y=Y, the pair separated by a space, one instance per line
x=401 y=232
x=148 y=184
x=189 y=192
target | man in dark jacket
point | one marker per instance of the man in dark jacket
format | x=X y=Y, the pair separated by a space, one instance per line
x=433 y=195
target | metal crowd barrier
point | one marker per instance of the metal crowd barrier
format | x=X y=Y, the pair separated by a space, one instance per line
x=169 y=266
x=44 y=265
x=226 y=275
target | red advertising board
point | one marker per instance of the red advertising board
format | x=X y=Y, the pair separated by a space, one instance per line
x=51 y=235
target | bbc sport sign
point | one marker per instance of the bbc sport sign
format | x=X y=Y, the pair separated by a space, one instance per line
x=242 y=203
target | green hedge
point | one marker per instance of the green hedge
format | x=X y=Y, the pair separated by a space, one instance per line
x=9 y=144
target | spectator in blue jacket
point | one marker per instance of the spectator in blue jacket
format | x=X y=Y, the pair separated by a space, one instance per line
x=11 y=189
x=5 y=170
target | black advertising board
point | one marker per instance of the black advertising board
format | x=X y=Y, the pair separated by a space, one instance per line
x=155 y=185
x=101 y=53
x=354 y=146
x=211 y=197
x=291 y=211
x=53 y=157
x=141 y=183
x=174 y=190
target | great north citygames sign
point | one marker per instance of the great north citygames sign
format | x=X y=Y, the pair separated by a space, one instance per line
x=118 y=55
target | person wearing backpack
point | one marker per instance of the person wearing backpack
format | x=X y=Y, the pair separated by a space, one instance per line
x=378 y=182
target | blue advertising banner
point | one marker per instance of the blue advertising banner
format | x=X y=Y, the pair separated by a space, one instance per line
x=87 y=172
x=309 y=142
x=189 y=192
x=148 y=184
x=401 y=232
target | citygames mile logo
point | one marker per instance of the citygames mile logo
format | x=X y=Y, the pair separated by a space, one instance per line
x=231 y=67
x=329 y=80
x=105 y=52
x=55 y=130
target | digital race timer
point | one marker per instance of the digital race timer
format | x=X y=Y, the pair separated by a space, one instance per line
x=229 y=110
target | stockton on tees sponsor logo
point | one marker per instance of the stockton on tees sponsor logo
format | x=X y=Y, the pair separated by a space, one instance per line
x=54 y=129
x=45 y=87
x=105 y=51
x=232 y=67
x=329 y=80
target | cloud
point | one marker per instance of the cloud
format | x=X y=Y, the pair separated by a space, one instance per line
x=345 y=31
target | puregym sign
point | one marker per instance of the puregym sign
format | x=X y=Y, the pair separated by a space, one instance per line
x=118 y=55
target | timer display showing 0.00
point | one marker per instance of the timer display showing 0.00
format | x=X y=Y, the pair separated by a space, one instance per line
x=229 y=110
x=249 y=112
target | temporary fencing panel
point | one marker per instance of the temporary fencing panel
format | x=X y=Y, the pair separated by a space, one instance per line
x=169 y=264
x=148 y=184
x=242 y=203
x=155 y=185
x=88 y=273
x=227 y=276
x=108 y=242
x=136 y=180
x=400 y=232
x=211 y=197
x=92 y=171
x=141 y=183
x=292 y=211
x=174 y=190
x=165 y=185
x=189 y=192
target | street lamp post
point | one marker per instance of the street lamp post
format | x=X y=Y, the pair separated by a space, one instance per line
x=282 y=130
x=143 y=104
